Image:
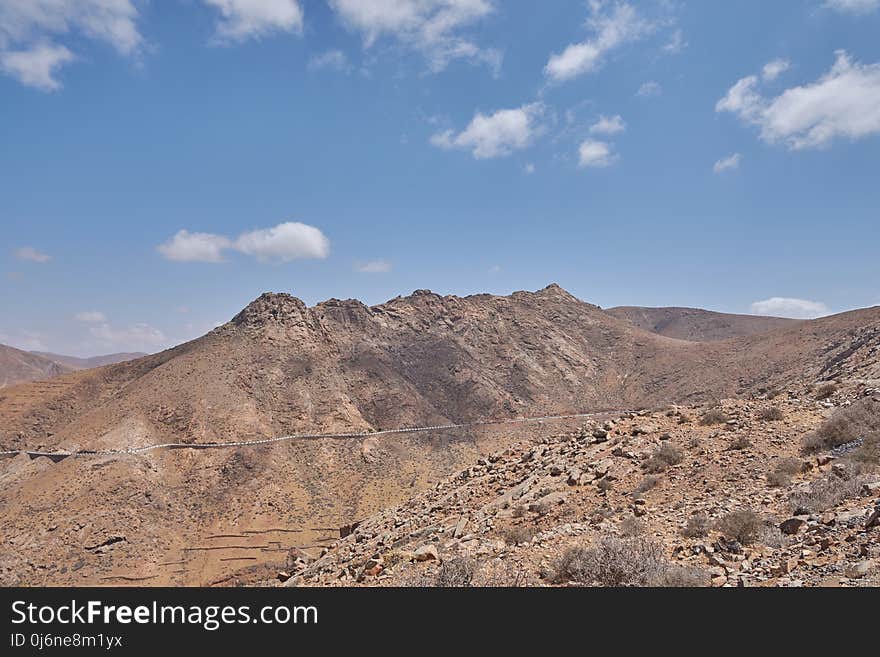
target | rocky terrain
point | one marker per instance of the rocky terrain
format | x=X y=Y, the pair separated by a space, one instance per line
x=232 y=516
x=695 y=324
x=653 y=497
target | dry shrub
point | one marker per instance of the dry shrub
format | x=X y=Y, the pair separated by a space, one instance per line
x=827 y=493
x=714 y=416
x=456 y=572
x=739 y=443
x=612 y=561
x=516 y=534
x=662 y=458
x=826 y=391
x=744 y=526
x=698 y=525
x=648 y=483
x=772 y=414
x=632 y=526
x=846 y=425
x=868 y=453
x=785 y=469
x=687 y=577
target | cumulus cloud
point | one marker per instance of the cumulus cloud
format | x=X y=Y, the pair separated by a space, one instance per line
x=608 y=125
x=728 y=163
x=31 y=254
x=195 y=247
x=843 y=103
x=36 y=67
x=291 y=240
x=334 y=60
x=90 y=317
x=854 y=6
x=774 y=69
x=787 y=307
x=595 y=154
x=374 y=267
x=495 y=135
x=611 y=29
x=287 y=241
x=30 y=30
x=252 y=19
x=136 y=337
x=432 y=27
x=649 y=89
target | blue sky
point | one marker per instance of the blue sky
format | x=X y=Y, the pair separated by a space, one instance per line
x=163 y=163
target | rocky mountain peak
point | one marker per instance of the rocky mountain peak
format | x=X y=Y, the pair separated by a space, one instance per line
x=271 y=308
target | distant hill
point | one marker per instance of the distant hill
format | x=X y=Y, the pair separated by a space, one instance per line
x=75 y=363
x=18 y=366
x=697 y=325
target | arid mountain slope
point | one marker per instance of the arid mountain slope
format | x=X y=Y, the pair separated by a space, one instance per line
x=17 y=366
x=75 y=363
x=695 y=324
x=202 y=516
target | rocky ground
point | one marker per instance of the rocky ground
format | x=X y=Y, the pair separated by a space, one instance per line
x=724 y=494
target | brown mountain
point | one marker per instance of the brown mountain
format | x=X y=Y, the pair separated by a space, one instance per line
x=186 y=516
x=17 y=366
x=695 y=324
x=75 y=363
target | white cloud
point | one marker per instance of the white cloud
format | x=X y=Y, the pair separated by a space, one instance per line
x=429 y=26
x=334 y=60
x=595 y=154
x=608 y=125
x=610 y=30
x=287 y=241
x=291 y=240
x=31 y=254
x=90 y=317
x=676 y=43
x=529 y=168
x=195 y=247
x=786 y=307
x=854 y=6
x=252 y=19
x=649 y=89
x=728 y=163
x=843 y=103
x=36 y=67
x=497 y=134
x=137 y=337
x=374 y=267
x=30 y=29
x=774 y=69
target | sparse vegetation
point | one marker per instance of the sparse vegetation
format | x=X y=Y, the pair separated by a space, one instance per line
x=632 y=526
x=827 y=493
x=846 y=425
x=612 y=561
x=684 y=577
x=714 y=416
x=517 y=534
x=743 y=526
x=785 y=469
x=457 y=572
x=826 y=391
x=698 y=526
x=772 y=414
x=662 y=458
x=647 y=484
x=739 y=443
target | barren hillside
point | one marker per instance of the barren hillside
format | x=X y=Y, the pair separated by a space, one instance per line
x=17 y=366
x=695 y=324
x=193 y=516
